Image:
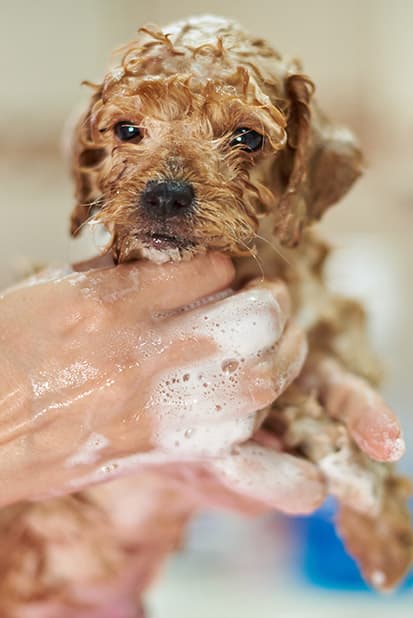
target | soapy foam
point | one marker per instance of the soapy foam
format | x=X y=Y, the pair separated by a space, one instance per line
x=88 y=452
x=250 y=319
x=201 y=407
x=395 y=448
x=351 y=483
x=276 y=479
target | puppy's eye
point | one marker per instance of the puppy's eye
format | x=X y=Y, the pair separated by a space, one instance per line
x=128 y=132
x=247 y=139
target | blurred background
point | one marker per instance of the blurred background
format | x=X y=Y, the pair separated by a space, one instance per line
x=359 y=54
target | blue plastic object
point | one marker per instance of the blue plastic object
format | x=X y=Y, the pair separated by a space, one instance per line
x=320 y=556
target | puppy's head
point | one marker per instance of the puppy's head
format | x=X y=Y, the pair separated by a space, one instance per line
x=195 y=136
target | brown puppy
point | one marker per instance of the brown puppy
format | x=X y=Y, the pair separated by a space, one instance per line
x=206 y=138
x=228 y=123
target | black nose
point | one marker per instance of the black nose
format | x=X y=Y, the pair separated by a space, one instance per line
x=167 y=199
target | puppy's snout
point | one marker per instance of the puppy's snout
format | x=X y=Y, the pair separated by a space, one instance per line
x=167 y=199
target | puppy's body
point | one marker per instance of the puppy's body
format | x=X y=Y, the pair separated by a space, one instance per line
x=205 y=138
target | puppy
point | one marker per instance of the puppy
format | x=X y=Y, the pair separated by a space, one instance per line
x=205 y=138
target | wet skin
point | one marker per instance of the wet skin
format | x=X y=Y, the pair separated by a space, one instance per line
x=110 y=370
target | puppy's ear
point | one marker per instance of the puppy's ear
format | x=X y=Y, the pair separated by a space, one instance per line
x=317 y=167
x=86 y=157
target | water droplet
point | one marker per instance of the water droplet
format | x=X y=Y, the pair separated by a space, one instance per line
x=108 y=468
x=230 y=365
x=378 y=578
x=188 y=433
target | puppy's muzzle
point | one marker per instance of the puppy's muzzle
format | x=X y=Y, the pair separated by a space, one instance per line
x=166 y=199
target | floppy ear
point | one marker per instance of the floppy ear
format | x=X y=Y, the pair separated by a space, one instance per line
x=317 y=167
x=86 y=156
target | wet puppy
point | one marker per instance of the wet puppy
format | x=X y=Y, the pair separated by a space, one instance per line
x=205 y=138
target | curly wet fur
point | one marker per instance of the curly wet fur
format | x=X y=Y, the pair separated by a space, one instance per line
x=188 y=91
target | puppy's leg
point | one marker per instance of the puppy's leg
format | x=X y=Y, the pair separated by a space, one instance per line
x=89 y=555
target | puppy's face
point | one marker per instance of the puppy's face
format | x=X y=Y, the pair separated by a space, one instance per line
x=180 y=165
x=194 y=136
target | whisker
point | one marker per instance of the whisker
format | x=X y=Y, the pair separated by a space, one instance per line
x=273 y=247
x=255 y=257
x=252 y=254
x=91 y=216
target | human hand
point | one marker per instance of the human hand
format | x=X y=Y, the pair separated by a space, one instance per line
x=111 y=369
x=259 y=476
x=350 y=399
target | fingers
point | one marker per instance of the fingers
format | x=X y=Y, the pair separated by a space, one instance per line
x=276 y=480
x=373 y=426
x=99 y=261
x=284 y=361
x=278 y=368
x=180 y=284
x=243 y=324
x=210 y=394
x=168 y=287
x=290 y=357
x=277 y=288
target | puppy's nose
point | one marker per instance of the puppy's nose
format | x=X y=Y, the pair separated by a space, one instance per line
x=167 y=199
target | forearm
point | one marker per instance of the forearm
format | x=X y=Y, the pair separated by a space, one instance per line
x=15 y=418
